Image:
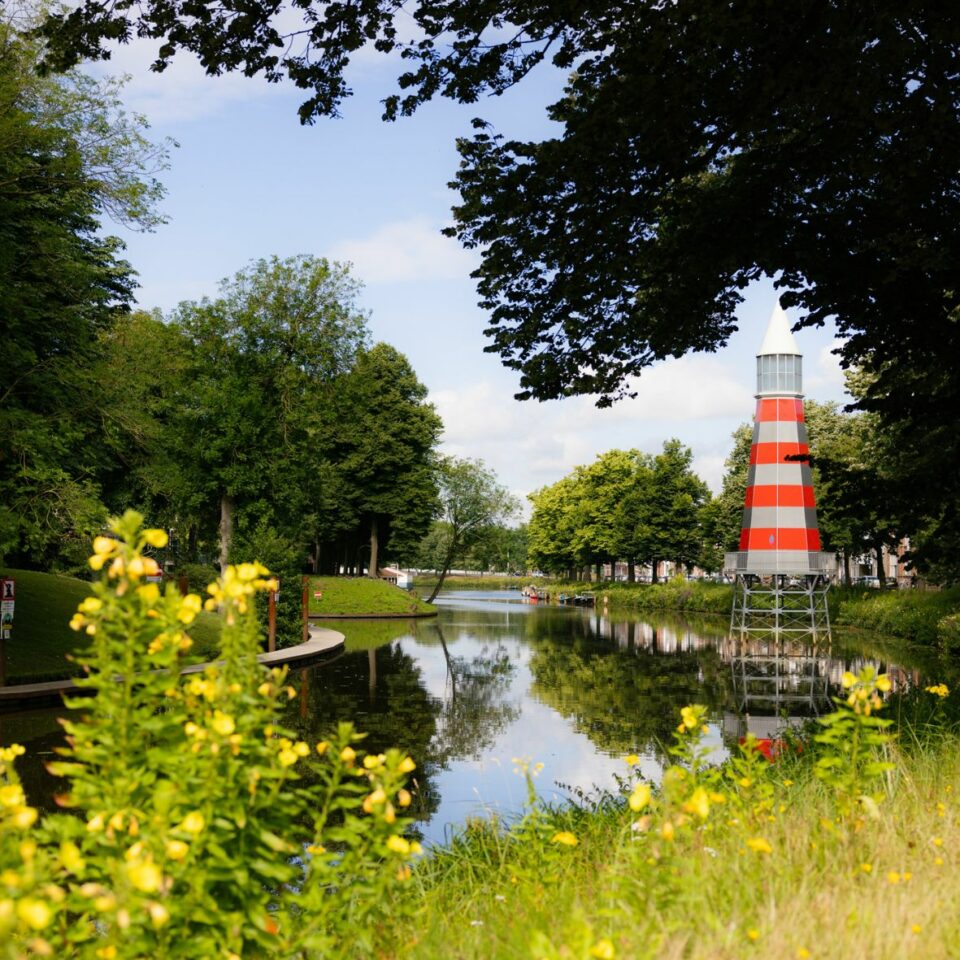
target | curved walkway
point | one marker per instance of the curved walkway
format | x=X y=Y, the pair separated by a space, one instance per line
x=322 y=641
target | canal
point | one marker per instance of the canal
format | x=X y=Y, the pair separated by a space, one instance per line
x=495 y=679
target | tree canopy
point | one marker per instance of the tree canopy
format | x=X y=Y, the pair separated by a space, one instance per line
x=69 y=156
x=701 y=146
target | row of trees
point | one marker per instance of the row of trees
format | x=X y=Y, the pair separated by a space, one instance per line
x=633 y=507
x=625 y=506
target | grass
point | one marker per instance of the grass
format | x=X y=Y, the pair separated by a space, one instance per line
x=361 y=596
x=828 y=887
x=41 y=640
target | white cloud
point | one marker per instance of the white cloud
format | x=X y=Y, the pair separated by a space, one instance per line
x=183 y=92
x=826 y=378
x=404 y=251
x=530 y=444
x=693 y=387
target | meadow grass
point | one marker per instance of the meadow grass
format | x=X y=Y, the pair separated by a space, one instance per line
x=785 y=877
x=361 y=596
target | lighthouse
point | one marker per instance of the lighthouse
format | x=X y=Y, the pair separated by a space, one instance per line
x=779 y=556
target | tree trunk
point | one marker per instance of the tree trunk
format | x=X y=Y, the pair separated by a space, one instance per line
x=846 y=567
x=374 y=549
x=631 y=572
x=654 y=571
x=599 y=568
x=881 y=574
x=448 y=560
x=226 y=530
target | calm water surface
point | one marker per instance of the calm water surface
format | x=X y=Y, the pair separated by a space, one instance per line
x=493 y=678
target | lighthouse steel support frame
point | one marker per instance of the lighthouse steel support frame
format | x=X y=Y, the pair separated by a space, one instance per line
x=780 y=606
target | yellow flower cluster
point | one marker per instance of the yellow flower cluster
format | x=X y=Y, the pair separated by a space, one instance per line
x=237 y=584
x=865 y=690
x=940 y=690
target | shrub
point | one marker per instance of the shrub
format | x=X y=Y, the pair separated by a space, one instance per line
x=199 y=827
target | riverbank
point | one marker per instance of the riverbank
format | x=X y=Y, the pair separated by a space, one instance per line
x=929 y=617
x=764 y=861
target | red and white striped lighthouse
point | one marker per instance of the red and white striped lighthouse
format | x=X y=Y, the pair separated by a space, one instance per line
x=779 y=534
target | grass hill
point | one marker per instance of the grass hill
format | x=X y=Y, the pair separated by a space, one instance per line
x=363 y=597
x=41 y=639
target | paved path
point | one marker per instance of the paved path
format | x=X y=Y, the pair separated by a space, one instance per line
x=321 y=642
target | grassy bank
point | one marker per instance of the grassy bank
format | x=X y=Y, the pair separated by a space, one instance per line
x=765 y=862
x=920 y=616
x=42 y=641
x=361 y=596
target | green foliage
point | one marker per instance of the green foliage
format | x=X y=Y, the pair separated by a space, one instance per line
x=471 y=501
x=625 y=506
x=916 y=614
x=853 y=740
x=202 y=828
x=359 y=596
x=68 y=156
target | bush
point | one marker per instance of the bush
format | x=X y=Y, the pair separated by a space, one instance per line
x=199 y=826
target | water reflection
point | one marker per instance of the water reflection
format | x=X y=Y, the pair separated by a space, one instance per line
x=492 y=679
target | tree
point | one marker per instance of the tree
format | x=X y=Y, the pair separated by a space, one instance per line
x=266 y=353
x=470 y=500
x=383 y=439
x=68 y=157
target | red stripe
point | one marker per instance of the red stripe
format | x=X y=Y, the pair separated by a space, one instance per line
x=776 y=452
x=771 y=538
x=778 y=408
x=788 y=495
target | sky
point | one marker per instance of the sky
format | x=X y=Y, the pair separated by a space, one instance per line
x=248 y=181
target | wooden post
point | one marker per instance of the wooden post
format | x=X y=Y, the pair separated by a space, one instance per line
x=271 y=621
x=3 y=657
x=305 y=602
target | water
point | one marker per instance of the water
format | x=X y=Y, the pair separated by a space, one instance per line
x=494 y=678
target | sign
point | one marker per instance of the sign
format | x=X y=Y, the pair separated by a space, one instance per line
x=318 y=595
x=8 y=589
x=154 y=578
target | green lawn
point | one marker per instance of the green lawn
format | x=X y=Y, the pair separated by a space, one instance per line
x=360 y=596
x=41 y=639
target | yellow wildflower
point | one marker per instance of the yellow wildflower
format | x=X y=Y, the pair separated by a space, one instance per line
x=667 y=831
x=348 y=755
x=564 y=837
x=397 y=844
x=916 y=928
x=159 y=914
x=753 y=934
x=603 y=950
x=893 y=877
x=193 y=822
x=223 y=724
x=189 y=607
x=11 y=795
x=866 y=867
x=404 y=798
x=322 y=747
x=375 y=799
x=177 y=849
x=759 y=845
x=640 y=797
x=407 y=765
x=632 y=760
x=102 y=546
x=940 y=689
x=70 y=857
x=689 y=717
x=883 y=683
x=36 y=914
x=144 y=875
x=699 y=803
x=155 y=538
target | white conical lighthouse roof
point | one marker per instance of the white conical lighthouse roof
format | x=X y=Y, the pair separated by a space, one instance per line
x=779 y=336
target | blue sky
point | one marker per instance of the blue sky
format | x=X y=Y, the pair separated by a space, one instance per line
x=248 y=181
